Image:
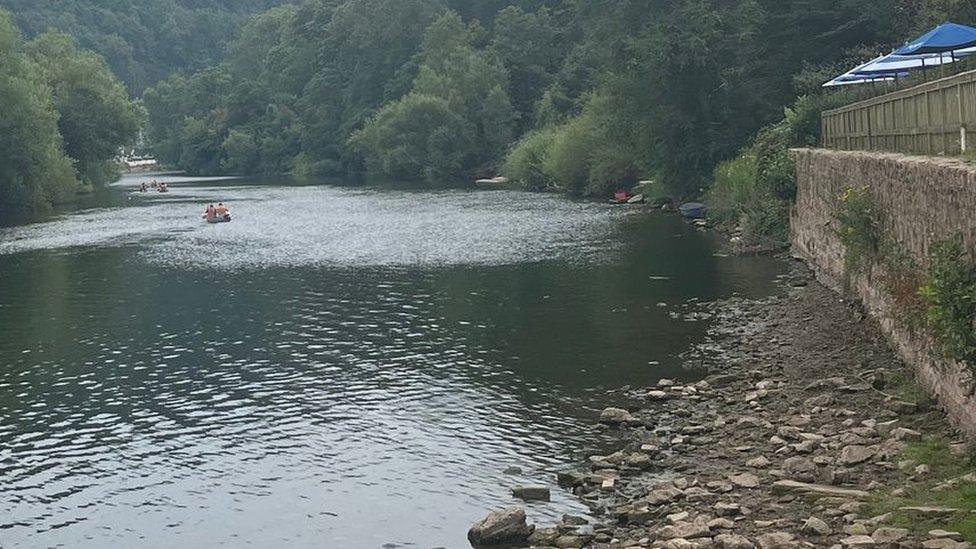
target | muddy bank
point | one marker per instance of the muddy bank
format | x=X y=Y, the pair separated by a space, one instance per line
x=796 y=438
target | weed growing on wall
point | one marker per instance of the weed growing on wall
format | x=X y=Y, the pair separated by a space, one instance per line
x=860 y=227
x=950 y=292
x=903 y=278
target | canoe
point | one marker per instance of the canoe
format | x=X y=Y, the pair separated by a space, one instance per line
x=219 y=219
x=693 y=210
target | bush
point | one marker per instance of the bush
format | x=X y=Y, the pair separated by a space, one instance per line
x=902 y=279
x=568 y=161
x=579 y=156
x=733 y=187
x=417 y=137
x=525 y=163
x=860 y=226
x=950 y=292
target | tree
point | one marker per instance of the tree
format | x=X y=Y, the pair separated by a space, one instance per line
x=96 y=115
x=417 y=137
x=34 y=171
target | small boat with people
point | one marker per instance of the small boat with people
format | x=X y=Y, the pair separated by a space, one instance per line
x=217 y=214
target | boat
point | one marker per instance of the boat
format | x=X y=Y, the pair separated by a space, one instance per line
x=500 y=180
x=218 y=219
x=693 y=210
x=620 y=197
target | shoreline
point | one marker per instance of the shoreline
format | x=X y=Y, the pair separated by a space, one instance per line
x=800 y=436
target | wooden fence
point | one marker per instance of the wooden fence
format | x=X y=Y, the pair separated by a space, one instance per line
x=927 y=119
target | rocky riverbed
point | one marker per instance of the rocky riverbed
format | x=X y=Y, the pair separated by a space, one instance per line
x=792 y=439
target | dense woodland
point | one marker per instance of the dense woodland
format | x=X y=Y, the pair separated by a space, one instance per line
x=143 y=41
x=63 y=117
x=583 y=95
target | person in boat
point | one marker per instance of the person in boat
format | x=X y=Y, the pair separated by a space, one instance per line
x=142 y=187
x=211 y=212
x=221 y=209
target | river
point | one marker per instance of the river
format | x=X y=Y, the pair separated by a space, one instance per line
x=348 y=367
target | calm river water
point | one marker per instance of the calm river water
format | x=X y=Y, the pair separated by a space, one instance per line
x=337 y=367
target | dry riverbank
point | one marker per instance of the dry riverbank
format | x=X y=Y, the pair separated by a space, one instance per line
x=807 y=433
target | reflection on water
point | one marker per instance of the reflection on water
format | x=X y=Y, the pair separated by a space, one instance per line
x=336 y=367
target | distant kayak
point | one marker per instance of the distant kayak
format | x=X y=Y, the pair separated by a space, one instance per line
x=693 y=210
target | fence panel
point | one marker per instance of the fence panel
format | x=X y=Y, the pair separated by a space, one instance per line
x=928 y=119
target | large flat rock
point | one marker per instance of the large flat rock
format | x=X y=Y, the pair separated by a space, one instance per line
x=783 y=486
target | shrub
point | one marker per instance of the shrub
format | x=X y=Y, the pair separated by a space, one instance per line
x=860 y=226
x=525 y=163
x=734 y=186
x=568 y=161
x=950 y=292
x=902 y=279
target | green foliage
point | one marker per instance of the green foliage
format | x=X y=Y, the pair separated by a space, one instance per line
x=142 y=40
x=673 y=87
x=949 y=290
x=418 y=137
x=97 y=116
x=859 y=228
x=581 y=156
x=62 y=116
x=527 y=160
x=902 y=279
x=737 y=200
x=948 y=471
x=457 y=117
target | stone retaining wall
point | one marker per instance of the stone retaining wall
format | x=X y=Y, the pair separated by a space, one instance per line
x=923 y=200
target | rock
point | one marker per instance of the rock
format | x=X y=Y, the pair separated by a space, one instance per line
x=679 y=543
x=512 y=471
x=720 y=524
x=678 y=517
x=616 y=416
x=856 y=529
x=758 y=462
x=785 y=486
x=570 y=479
x=727 y=509
x=776 y=540
x=570 y=541
x=638 y=461
x=889 y=535
x=608 y=484
x=902 y=433
x=854 y=454
x=945 y=543
x=531 y=493
x=902 y=407
x=945 y=534
x=815 y=527
x=686 y=530
x=574 y=520
x=663 y=495
x=799 y=465
x=658 y=395
x=929 y=512
x=858 y=541
x=745 y=480
x=636 y=199
x=506 y=526
x=697 y=493
x=733 y=541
